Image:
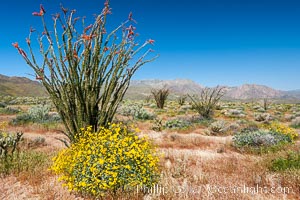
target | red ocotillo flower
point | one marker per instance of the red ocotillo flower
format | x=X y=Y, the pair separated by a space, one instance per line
x=88 y=28
x=130 y=34
x=16 y=45
x=105 y=49
x=75 y=54
x=87 y=37
x=150 y=41
x=36 y=14
x=42 y=9
x=41 y=13
x=130 y=31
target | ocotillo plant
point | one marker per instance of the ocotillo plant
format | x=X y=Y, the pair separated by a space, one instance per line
x=206 y=102
x=160 y=96
x=86 y=73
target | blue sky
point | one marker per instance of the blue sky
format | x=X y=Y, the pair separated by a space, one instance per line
x=213 y=42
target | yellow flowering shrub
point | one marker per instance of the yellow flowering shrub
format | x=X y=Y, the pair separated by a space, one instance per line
x=3 y=126
x=104 y=162
x=281 y=128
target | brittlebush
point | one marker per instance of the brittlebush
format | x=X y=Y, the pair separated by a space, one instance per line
x=281 y=128
x=108 y=161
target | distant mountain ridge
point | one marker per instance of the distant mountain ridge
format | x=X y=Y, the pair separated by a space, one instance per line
x=185 y=86
x=253 y=91
x=21 y=86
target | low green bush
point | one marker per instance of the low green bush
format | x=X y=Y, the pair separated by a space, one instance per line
x=177 y=124
x=9 y=111
x=36 y=114
x=291 y=161
x=259 y=138
x=136 y=111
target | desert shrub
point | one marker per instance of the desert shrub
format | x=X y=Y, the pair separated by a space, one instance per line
x=9 y=111
x=144 y=115
x=2 y=105
x=185 y=107
x=21 y=119
x=289 y=117
x=36 y=142
x=218 y=127
x=249 y=127
x=234 y=126
x=206 y=102
x=107 y=161
x=291 y=161
x=157 y=125
x=234 y=113
x=260 y=138
x=295 y=122
x=177 y=124
x=160 y=96
x=262 y=117
x=39 y=112
x=36 y=114
x=282 y=129
x=136 y=111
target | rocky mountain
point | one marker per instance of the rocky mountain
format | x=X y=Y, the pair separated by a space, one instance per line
x=252 y=91
x=20 y=86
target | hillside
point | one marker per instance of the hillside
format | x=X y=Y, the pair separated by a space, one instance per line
x=253 y=91
x=20 y=86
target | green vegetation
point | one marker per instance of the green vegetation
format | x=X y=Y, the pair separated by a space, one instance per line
x=289 y=162
x=37 y=114
x=177 y=124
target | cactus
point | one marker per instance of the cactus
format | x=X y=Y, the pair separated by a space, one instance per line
x=8 y=145
x=86 y=74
